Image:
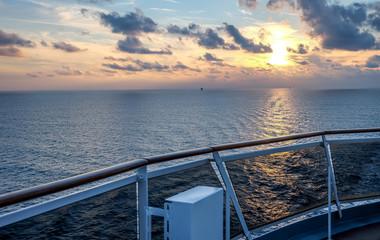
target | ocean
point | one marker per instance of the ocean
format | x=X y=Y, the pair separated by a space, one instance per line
x=50 y=135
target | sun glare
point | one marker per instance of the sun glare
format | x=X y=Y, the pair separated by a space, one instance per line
x=280 y=53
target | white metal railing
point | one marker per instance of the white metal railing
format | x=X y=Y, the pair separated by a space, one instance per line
x=142 y=176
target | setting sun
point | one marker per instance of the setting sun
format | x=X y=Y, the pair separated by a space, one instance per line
x=279 y=46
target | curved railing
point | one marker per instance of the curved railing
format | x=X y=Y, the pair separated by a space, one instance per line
x=142 y=176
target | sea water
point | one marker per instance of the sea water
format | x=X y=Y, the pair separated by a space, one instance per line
x=46 y=136
x=50 y=135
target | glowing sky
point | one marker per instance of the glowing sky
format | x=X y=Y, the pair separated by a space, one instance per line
x=148 y=44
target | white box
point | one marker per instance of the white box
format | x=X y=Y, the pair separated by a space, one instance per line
x=195 y=214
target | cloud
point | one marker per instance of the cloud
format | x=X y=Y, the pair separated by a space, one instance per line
x=163 y=9
x=95 y=1
x=211 y=40
x=118 y=59
x=33 y=75
x=214 y=60
x=67 y=47
x=134 y=45
x=302 y=49
x=152 y=66
x=43 y=43
x=304 y=62
x=174 y=29
x=10 y=39
x=279 y=4
x=136 y=65
x=373 y=62
x=125 y=68
x=181 y=66
x=129 y=24
x=374 y=18
x=208 y=39
x=250 y=4
x=355 y=14
x=336 y=25
x=68 y=71
x=108 y=71
x=10 y=52
x=211 y=57
x=85 y=12
x=245 y=43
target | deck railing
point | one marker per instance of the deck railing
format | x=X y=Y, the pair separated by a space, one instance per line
x=141 y=176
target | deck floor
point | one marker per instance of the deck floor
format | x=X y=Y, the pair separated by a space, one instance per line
x=369 y=232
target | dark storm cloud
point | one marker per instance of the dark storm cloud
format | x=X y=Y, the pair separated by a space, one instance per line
x=302 y=49
x=129 y=24
x=134 y=45
x=211 y=57
x=10 y=52
x=9 y=39
x=245 y=43
x=250 y=4
x=67 y=47
x=373 y=62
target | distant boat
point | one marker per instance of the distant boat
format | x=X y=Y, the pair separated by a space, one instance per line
x=201 y=88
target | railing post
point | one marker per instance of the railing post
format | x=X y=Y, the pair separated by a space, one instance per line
x=331 y=166
x=329 y=203
x=142 y=201
x=231 y=192
x=330 y=181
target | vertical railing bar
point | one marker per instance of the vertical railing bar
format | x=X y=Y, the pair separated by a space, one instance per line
x=329 y=202
x=148 y=222
x=330 y=163
x=223 y=172
x=227 y=201
x=228 y=215
x=142 y=201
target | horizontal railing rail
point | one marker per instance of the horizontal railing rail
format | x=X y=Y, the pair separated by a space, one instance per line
x=75 y=181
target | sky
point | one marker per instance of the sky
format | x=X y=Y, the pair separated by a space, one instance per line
x=175 y=44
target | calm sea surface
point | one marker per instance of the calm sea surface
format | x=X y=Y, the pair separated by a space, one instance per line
x=45 y=136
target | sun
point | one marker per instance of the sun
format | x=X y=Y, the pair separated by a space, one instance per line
x=279 y=47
